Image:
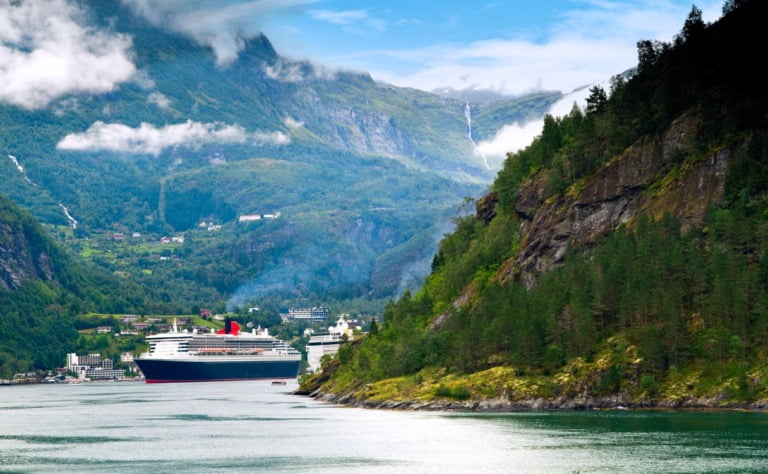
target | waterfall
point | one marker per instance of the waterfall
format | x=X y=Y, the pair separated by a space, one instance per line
x=20 y=168
x=468 y=115
x=72 y=220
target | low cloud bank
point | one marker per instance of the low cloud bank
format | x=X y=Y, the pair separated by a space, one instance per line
x=514 y=137
x=149 y=139
x=297 y=71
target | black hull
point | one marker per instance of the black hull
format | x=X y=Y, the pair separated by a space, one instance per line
x=172 y=371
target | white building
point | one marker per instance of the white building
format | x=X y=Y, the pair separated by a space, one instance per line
x=93 y=367
x=318 y=313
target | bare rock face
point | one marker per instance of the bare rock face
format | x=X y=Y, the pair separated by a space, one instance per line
x=699 y=186
x=652 y=176
x=369 y=132
x=532 y=196
x=486 y=207
x=21 y=258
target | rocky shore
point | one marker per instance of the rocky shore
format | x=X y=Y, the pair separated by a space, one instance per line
x=500 y=405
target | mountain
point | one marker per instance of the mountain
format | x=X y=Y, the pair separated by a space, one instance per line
x=365 y=177
x=619 y=260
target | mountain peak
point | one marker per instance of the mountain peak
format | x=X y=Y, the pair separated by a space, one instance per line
x=259 y=48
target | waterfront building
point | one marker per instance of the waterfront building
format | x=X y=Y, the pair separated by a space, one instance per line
x=93 y=366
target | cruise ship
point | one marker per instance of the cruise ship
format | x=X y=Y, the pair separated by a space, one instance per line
x=228 y=354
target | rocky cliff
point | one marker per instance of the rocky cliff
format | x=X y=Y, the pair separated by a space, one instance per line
x=25 y=253
x=658 y=174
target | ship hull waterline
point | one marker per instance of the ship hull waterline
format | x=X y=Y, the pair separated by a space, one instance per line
x=177 y=371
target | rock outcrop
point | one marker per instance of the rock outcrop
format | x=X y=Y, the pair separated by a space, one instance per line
x=656 y=175
x=24 y=252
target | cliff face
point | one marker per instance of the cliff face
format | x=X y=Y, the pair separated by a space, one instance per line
x=657 y=175
x=24 y=252
x=371 y=132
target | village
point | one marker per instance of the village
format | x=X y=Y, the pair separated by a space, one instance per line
x=317 y=343
x=210 y=226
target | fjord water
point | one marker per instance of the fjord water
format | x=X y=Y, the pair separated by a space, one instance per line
x=259 y=427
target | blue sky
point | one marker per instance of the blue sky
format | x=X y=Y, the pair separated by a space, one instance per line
x=509 y=46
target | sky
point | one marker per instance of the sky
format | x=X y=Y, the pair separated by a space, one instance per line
x=48 y=50
x=509 y=46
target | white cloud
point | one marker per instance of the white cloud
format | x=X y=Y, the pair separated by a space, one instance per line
x=143 y=80
x=293 y=71
x=291 y=122
x=591 y=41
x=215 y=23
x=285 y=71
x=658 y=19
x=159 y=99
x=514 y=137
x=47 y=51
x=354 y=21
x=511 y=66
x=149 y=139
x=509 y=139
x=339 y=17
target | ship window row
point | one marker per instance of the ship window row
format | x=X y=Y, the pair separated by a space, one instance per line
x=230 y=344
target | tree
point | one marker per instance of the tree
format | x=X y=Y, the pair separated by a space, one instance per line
x=373 y=328
x=693 y=26
x=597 y=100
x=731 y=5
x=648 y=53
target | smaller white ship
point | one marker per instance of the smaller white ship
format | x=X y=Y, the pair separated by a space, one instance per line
x=328 y=343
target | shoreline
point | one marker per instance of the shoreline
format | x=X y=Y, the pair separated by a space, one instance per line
x=500 y=405
x=15 y=383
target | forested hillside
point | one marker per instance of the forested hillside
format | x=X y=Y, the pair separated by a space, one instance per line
x=620 y=259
